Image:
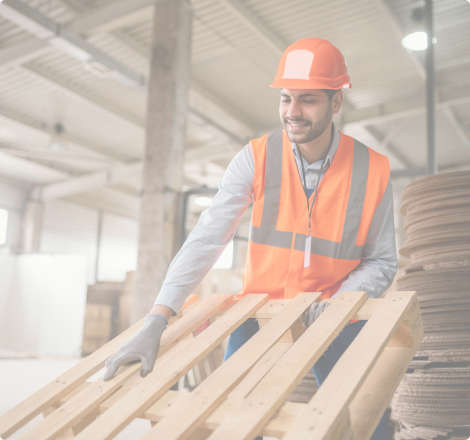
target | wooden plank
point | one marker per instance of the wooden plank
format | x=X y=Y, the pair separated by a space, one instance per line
x=259 y=370
x=276 y=427
x=18 y=416
x=291 y=335
x=189 y=414
x=373 y=398
x=64 y=384
x=274 y=306
x=345 y=379
x=66 y=435
x=89 y=399
x=170 y=369
x=270 y=393
x=370 y=402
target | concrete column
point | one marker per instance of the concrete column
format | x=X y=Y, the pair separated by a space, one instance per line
x=32 y=226
x=164 y=150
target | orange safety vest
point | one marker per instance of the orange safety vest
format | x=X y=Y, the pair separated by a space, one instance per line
x=348 y=195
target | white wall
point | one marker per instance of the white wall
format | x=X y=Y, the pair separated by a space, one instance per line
x=69 y=228
x=42 y=304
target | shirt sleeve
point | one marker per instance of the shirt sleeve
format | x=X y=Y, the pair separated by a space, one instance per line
x=214 y=231
x=379 y=262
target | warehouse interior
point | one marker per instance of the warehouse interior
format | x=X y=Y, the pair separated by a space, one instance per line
x=90 y=157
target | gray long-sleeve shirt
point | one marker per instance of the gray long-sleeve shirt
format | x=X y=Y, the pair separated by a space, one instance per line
x=218 y=223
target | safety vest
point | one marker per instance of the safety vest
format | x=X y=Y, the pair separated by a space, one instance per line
x=348 y=195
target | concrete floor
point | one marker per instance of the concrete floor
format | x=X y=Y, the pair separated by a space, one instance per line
x=19 y=378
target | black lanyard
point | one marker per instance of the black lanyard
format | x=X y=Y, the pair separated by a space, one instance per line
x=304 y=183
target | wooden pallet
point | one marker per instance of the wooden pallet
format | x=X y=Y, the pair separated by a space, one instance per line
x=245 y=396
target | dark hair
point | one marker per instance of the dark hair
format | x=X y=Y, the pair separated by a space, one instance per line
x=330 y=93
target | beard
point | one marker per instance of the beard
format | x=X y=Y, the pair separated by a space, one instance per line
x=314 y=130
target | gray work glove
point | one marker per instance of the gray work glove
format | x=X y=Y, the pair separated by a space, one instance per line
x=311 y=315
x=143 y=346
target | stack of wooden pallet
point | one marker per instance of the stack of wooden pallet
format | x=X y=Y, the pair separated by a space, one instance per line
x=435 y=399
x=245 y=396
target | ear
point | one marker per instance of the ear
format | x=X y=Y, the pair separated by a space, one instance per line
x=337 y=102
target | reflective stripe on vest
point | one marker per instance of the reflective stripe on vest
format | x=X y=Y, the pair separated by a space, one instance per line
x=268 y=235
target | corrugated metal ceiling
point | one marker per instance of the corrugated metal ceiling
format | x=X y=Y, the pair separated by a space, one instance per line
x=232 y=63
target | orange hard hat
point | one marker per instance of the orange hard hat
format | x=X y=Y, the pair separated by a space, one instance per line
x=312 y=63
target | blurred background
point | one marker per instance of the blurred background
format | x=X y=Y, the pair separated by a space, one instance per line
x=85 y=156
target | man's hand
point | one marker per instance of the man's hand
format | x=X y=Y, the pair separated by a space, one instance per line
x=311 y=315
x=143 y=346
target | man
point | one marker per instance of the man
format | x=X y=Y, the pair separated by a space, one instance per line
x=322 y=214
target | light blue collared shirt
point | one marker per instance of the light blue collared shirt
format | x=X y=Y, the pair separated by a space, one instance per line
x=218 y=223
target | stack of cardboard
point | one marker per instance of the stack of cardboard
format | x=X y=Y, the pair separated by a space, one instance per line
x=433 y=400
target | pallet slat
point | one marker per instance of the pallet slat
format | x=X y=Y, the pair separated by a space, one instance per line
x=243 y=397
x=37 y=403
x=167 y=373
x=330 y=404
x=270 y=393
x=186 y=417
x=384 y=378
x=87 y=400
x=259 y=370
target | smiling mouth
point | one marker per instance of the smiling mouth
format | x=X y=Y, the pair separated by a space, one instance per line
x=297 y=125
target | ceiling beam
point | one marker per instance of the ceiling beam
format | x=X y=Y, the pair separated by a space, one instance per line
x=22 y=52
x=112 y=16
x=46 y=130
x=101 y=104
x=255 y=25
x=67 y=41
x=92 y=181
x=461 y=133
x=108 y=199
x=121 y=173
x=28 y=18
x=403 y=108
x=83 y=95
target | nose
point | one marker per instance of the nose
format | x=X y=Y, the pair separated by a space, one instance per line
x=294 y=111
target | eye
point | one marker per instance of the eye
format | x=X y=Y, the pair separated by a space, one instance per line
x=285 y=101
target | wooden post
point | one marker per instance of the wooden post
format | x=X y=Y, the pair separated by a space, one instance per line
x=32 y=226
x=164 y=150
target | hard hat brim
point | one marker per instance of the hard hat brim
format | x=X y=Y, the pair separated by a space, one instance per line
x=340 y=82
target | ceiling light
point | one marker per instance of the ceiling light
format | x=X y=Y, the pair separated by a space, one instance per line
x=57 y=141
x=417 y=38
x=415 y=41
x=203 y=201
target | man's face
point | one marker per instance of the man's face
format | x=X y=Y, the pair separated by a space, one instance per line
x=305 y=114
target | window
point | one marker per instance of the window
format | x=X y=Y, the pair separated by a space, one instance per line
x=226 y=259
x=3 y=226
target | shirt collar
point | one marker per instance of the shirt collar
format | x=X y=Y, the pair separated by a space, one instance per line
x=333 y=147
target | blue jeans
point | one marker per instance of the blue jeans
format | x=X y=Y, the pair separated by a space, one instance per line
x=323 y=366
